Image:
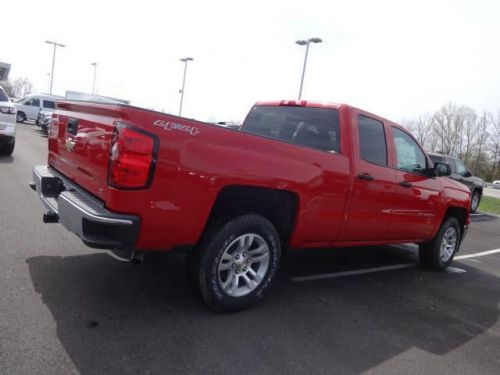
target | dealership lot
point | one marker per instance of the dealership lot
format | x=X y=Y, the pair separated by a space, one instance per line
x=65 y=308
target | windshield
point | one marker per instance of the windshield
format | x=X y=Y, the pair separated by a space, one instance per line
x=3 y=96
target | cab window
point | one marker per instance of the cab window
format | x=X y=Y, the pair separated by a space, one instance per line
x=410 y=157
x=372 y=142
x=317 y=128
x=49 y=104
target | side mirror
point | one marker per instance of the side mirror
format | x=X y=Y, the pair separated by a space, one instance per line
x=442 y=169
x=467 y=174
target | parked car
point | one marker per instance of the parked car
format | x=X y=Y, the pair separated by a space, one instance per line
x=460 y=173
x=44 y=119
x=297 y=175
x=29 y=107
x=496 y=182
x=7 y=124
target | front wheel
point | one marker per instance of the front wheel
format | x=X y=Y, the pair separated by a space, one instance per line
x=235 y=265
x=20 y=117
x=474 y=202
x=440 y=251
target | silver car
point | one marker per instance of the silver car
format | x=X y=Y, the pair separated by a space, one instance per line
x=7 y=124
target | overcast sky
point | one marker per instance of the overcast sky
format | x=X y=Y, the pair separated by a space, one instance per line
x=395 y=58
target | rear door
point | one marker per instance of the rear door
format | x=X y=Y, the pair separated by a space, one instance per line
x=415 y=212
x=374 y=187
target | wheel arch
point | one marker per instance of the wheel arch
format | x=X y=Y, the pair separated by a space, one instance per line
x=460 y=214
x=278 y=206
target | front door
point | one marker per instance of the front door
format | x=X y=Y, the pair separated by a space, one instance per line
x=415 y=213
x=374 y=187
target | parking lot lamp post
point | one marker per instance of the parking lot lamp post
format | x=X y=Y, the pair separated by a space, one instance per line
x=94 y=64
x=53 y=61
x=305 y=43
x=185 y=61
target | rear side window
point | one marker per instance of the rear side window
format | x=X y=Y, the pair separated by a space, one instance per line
x=49 y=104
x=311 y=127
x=372 y=143
x=3 y=96
x=410 y=156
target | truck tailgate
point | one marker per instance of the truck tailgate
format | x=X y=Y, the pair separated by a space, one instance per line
x=79 y=143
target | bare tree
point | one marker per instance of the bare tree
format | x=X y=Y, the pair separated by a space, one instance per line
x=421 y=128
x=21 y=87
x=482 y=133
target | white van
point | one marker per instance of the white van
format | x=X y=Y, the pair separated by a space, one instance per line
x=30 y=106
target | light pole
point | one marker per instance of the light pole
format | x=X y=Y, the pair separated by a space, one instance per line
x=94 y=64
x=185 y=61
x=53 y=61
x=306 y=43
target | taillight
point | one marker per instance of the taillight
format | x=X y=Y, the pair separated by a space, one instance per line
x=8 y=110
x=132 y=158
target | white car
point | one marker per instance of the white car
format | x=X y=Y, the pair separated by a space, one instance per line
x=496 y=182
x=7 y=124
x=30 y=106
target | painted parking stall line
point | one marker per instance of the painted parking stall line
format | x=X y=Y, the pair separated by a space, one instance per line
x=475 y=255
x=333 y=275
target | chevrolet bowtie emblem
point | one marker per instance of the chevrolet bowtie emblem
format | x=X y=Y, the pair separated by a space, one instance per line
x=70 y=145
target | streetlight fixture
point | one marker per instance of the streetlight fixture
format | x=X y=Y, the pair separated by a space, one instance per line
x=185 y=61
x=94 y=64
x=53 y=61
x=305 y=42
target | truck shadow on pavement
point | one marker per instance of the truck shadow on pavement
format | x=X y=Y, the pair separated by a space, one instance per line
x=114 y=317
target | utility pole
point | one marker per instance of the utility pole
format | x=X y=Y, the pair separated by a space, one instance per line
x=306 y=43
x=53 y=61
x=185 y=60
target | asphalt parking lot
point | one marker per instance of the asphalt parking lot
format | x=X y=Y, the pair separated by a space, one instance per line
x=65 y=308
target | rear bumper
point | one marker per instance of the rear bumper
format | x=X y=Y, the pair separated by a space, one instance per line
x=80 y=213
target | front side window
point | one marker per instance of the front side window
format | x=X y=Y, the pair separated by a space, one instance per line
x=317 y=128
x=410 y=156
x=460 y=167
x=35 y=103
x=372 y=143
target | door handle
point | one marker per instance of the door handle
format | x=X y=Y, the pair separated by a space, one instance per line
x=365 y=176
x=405 y=184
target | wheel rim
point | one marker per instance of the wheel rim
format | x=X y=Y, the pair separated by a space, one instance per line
x=243 y=265
x=448 y=244
x=475 y=202
x=19 y=117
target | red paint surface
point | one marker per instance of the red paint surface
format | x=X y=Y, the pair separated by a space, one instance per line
x=197 y=160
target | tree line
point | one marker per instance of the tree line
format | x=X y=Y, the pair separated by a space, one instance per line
x=18 y=88
x=459 y=131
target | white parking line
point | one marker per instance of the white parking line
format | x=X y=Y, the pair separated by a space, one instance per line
x=475 y=255
x=382 y=269
x=355 y=272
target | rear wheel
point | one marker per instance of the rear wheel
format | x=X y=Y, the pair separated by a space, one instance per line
x=439 y=253
x=7 y=150
x=20 y=117
x=235 y=265
x=474 y=202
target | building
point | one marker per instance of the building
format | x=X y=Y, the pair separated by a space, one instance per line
x=4 y=71
x=76 y=95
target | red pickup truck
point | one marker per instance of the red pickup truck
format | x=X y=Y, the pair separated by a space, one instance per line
x=296 y=175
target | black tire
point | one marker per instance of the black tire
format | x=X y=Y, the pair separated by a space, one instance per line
x=475 y=200
x=7 y=150
x=20 y=117
x=431 y=253
x=204 y=264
